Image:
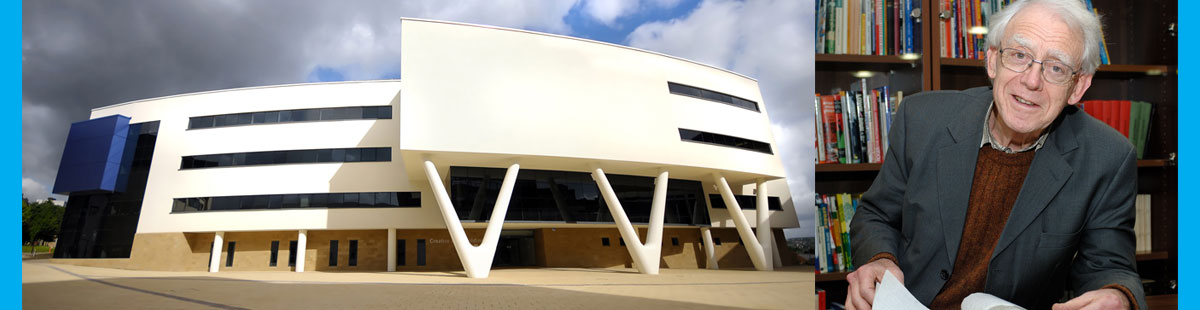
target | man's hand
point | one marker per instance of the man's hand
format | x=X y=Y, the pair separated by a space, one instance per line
x=1105 y=298
x=861 y=292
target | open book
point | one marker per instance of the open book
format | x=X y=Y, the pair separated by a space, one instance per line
x=891 y=295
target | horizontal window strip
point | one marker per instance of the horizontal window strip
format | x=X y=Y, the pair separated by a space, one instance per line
x=299 y=201
x=347 y=155
x=746 y=202
x=700 y=93
x=723 y=140
x=290 y=116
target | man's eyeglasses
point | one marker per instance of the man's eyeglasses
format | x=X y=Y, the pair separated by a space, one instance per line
x=1053 y=71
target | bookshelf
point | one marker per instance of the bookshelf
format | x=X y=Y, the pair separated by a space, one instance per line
x=1143 y=66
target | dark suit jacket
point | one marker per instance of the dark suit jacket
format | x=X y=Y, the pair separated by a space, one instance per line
x=1070 y=228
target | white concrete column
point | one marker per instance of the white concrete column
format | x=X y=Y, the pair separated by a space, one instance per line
x=301 y=246
x=645 y=256
x=218 y=243
x=391 y=250
x=763 y=230
x=476 y=260
x=709 y=251
x=743 y=226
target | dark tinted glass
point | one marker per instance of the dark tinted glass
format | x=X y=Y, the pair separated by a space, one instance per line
x=730 y=141
x=680 y=89
x=259 y=118
x=572 y=197
x=268 y=117
x=366 y=200
x=333 y=255
x=201 y=122
x=353 y=112
x=272 y=117
x=286 y=157
x=220 y=121
x=746 y=202
x=383 y=199
x=292 y=201
x=329 y=114
x=243 y=119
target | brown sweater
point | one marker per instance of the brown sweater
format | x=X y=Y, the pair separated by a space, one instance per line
x=998 y=179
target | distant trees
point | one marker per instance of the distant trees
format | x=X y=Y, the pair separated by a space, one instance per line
x=40 y=220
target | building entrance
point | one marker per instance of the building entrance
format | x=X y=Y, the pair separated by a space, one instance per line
x=515 y=248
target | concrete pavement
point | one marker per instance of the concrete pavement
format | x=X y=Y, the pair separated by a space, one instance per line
x=56 y=286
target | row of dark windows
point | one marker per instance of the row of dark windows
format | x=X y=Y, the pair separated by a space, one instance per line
x=299 y=201
x=290 y=116
x=604 y=241
x=691 y=91
x=746 y=202
x=571 y=197
x=333 y=253
x=720 y=139
x=348 y=155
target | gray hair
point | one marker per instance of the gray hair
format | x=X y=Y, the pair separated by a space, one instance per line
x=1072 y=12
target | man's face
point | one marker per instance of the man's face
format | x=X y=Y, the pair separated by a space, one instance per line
x=1026 y=102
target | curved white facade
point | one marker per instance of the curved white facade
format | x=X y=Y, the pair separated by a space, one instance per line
x=471 y=96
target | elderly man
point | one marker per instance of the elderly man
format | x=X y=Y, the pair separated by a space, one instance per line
x=1012 y=190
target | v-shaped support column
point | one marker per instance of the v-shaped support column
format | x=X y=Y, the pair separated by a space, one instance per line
x=476 y=260
x=645 y=256
x=753 y=246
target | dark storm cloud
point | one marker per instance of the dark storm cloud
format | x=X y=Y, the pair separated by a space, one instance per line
x=80 y=55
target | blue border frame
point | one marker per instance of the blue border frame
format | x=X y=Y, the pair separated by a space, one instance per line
x=1188 y=65
x=10 y=88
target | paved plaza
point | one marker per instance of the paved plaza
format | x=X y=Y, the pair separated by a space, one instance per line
x=58 y=286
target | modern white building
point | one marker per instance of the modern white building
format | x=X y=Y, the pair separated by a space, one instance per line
x=498 y=147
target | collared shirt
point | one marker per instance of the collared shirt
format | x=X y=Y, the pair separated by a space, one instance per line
x=987 y=136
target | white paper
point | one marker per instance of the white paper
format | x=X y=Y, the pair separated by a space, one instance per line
x=985 y=301
x=892 y=295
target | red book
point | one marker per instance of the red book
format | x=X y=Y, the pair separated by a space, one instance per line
x=1114 y=114
x=1123 y=108
x=820 y=299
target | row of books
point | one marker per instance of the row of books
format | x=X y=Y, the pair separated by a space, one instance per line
x=1141 y=223
x=963 y=32
x=868 y=27
x=1131 y=118
x=852 y=126
x=833 y=232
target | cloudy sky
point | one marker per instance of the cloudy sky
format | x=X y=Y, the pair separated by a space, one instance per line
x=80 y=55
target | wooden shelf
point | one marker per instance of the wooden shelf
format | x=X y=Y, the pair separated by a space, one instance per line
x=824 y=168
x=888 y=59
x=1144 y=69
x=847 y=167
x=1152 y=163
x=1149 y=256
x=831 y=277
x=1163 y=301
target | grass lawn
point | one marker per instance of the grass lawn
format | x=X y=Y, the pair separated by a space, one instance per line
x=38 y=248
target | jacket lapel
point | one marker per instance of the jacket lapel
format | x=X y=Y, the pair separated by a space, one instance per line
x=956 y=170
x=1047 y=175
